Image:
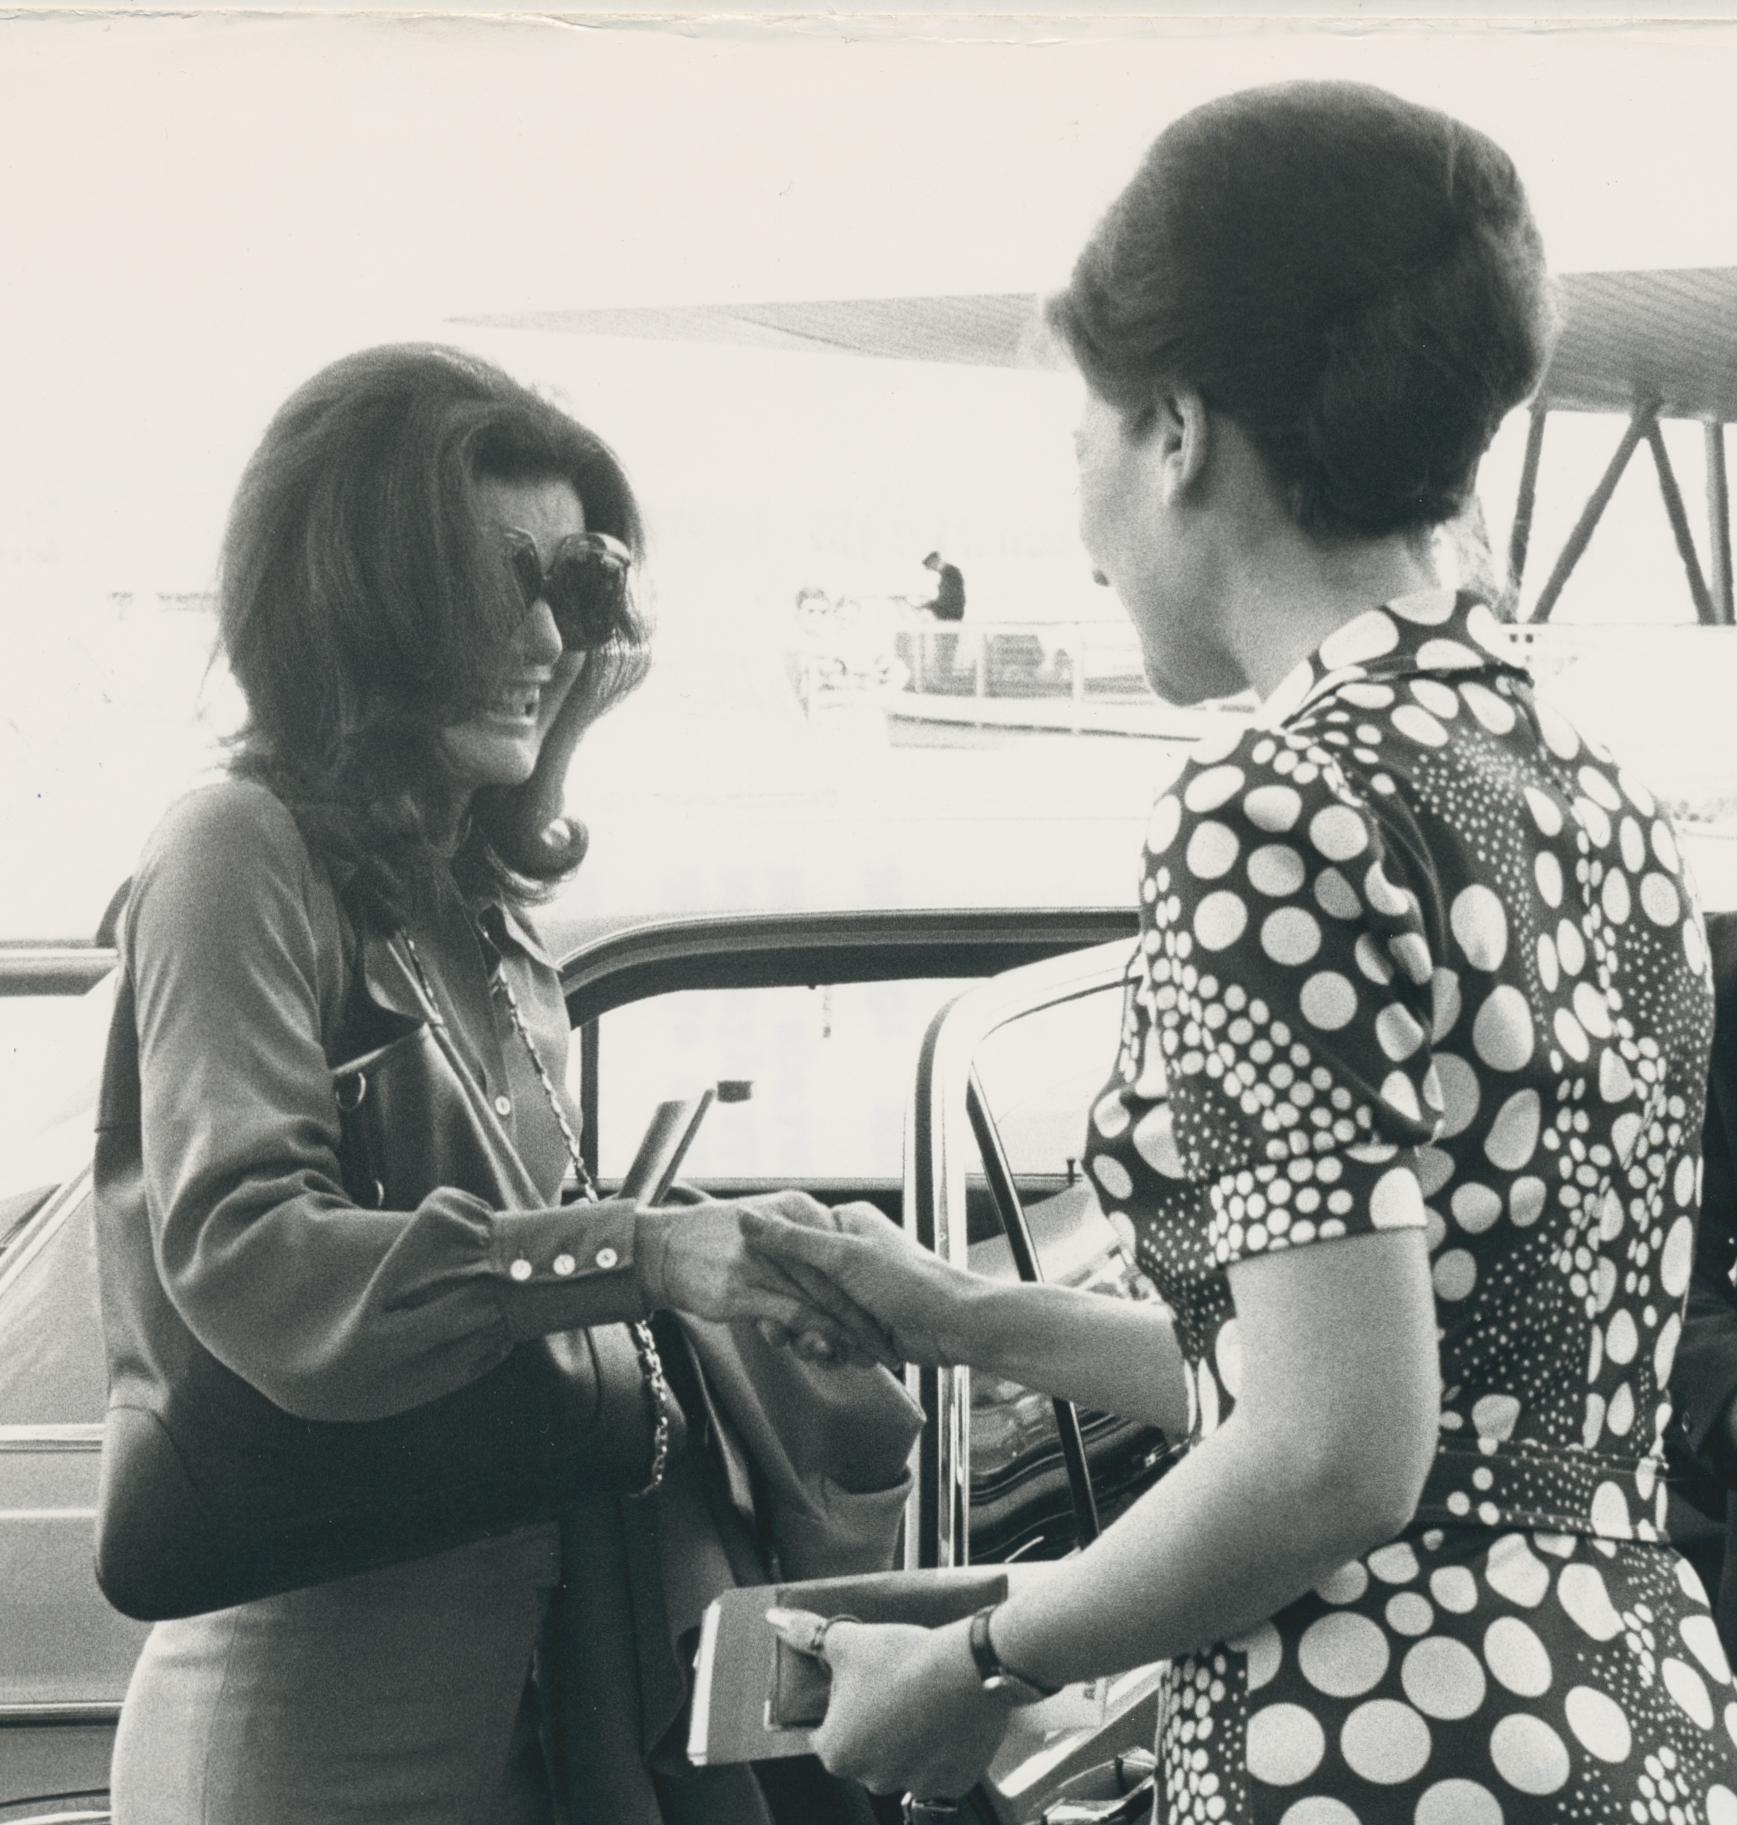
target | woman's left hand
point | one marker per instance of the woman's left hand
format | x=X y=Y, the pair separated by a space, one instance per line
x=907 y=1712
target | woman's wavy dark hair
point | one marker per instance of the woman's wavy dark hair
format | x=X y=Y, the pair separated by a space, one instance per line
x=365 y=603
x=1355 y=280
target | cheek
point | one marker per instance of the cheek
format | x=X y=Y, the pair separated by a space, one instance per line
x=1089 y=513
x=1103 y=494
x=555 y=693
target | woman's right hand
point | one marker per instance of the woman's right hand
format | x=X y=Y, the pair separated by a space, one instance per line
x=696 y=1258
x=918 y=1301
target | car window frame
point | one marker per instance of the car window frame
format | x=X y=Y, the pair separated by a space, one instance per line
x=944 y=1140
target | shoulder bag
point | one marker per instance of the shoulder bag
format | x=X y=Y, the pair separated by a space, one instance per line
x=212 y=1495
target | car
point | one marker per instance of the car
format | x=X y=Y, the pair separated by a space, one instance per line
x=936 y=1062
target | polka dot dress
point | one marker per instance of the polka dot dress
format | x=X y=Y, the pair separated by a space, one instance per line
x=1417 y=955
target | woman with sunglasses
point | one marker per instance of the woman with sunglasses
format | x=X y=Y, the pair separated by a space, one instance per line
x=425 y=600
x=1405 y=1114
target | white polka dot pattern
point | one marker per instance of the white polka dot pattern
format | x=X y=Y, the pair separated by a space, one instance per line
x=1419 y=956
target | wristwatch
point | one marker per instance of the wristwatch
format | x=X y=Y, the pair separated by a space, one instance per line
x=996 y=1675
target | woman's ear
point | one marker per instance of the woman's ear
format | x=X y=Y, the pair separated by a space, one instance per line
x=1182 y=438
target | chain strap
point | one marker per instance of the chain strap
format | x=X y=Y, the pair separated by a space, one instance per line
x=657 y=1387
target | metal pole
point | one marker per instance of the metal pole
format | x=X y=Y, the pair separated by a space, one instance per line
x=1023 y=1248
x=590 y=1049
x=1718 y=524
x=1521 y=536
x=1673 y=499
x=1592 y=512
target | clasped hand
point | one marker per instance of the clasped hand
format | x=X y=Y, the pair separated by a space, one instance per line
x=917 y=1303
x=697 y=1258
x=842 y=1285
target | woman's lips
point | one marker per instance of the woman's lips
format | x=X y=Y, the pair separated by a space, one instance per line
x=515 y=703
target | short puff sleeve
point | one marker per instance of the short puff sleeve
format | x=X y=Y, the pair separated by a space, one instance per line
x=1283 y=1001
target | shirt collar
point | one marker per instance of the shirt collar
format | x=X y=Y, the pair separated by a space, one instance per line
x=1430 y=632
x=503 y=923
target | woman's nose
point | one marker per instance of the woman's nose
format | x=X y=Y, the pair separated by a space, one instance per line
x=539 y=637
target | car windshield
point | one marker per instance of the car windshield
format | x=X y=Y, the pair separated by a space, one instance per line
x=790 y=271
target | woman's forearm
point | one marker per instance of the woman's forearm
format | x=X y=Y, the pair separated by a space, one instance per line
x=1115 y=1355
x=1323 y=1457
x=1237 y=1530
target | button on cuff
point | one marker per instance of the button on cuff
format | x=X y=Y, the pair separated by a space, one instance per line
x=566 y=1269
x=551 y=1254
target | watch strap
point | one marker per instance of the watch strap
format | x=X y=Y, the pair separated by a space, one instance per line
x=995 y=1673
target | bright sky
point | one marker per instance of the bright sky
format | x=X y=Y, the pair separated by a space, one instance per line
x=200 y=209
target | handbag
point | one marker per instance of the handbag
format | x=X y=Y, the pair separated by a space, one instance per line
x=211 y=1495
x=818 y=1458
x=807 y=1474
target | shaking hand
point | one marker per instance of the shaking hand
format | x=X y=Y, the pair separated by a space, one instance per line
x=918 y=1302
x=697 y=1258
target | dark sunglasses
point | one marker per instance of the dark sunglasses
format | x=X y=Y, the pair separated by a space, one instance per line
x=584 y=584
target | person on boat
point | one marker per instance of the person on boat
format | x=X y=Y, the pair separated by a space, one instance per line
x=947 y=605
x=948 y=601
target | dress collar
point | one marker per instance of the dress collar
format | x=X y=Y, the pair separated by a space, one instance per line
x=1429 y=632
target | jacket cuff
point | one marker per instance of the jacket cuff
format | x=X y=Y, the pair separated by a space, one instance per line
x=567 y=1269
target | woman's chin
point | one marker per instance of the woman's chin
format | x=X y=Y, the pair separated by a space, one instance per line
x=1188 y=680
x=483 y=755
x=1177 y=689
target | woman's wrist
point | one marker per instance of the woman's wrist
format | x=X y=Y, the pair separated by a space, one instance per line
x=1023 y=1661
x=989 y=1324
x=953 y=1668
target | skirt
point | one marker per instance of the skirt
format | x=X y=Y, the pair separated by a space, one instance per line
x=1461 y=1676
x=403 y=1696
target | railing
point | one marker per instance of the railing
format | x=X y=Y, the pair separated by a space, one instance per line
x=1049 y=677
x=1072 y=677
x=1073 y=660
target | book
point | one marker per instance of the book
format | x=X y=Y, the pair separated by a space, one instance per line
x=758 y=1699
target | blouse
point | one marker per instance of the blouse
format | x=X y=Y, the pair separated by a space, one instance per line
x=235 y=959
x=1415 y=954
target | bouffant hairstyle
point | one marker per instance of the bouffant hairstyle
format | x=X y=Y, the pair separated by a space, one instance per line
x=1355 y=280
x=365 y=603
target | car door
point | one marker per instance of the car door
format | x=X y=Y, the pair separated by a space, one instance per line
x=65 y=1656
x=1000 y=1094
x=809 y=1022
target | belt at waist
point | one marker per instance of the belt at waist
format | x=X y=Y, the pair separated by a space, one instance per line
x=1509 y=1483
